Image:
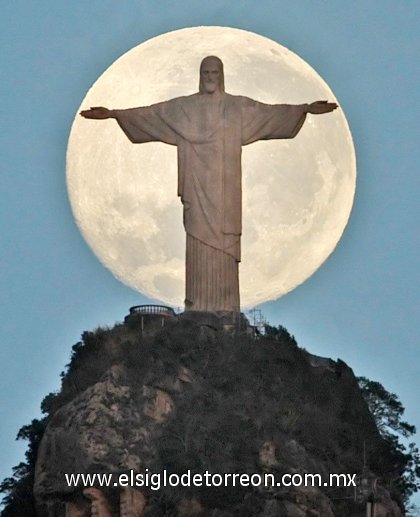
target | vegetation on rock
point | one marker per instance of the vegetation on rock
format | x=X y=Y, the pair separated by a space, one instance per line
x=387 y=410
x=245 y=393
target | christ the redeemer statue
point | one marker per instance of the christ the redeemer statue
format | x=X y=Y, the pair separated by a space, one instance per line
x=209 y=129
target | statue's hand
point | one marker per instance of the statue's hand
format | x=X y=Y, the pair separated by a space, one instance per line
x=98 y=113
x=320 y=107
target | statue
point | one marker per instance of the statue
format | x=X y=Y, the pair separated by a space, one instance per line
x=209 y=129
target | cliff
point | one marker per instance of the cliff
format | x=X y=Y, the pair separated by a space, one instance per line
x=191 y=396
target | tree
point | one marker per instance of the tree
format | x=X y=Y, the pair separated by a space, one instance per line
x=387 y=411
x=279 y=333
x=18 y=489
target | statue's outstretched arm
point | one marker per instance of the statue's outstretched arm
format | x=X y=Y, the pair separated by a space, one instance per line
x=98 y=113
x=143 y=124
x=320 y=107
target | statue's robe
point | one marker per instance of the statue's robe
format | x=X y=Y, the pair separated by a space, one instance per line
x=209 y=132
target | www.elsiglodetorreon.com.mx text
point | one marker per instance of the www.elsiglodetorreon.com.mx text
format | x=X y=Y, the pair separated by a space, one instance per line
x=158 y=480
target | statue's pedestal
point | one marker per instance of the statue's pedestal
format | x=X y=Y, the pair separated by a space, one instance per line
x=217 y=320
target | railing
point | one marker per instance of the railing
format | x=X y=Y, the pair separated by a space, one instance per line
x=161 y=310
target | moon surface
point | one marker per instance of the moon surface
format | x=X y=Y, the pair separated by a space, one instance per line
x=297 y=193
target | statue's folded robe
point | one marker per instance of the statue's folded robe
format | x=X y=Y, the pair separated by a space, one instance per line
x=209 y=131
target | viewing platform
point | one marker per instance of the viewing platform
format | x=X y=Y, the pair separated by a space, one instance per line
x=150 y=315
x=162 y=310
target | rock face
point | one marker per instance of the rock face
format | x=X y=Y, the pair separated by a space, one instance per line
x=110 y=427
x=189 y=397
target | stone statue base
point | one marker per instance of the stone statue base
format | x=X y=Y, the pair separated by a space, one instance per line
x=218 y=320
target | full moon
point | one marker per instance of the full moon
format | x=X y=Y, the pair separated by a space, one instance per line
x=297 y=194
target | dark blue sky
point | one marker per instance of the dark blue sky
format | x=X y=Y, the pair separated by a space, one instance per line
x=361 y=306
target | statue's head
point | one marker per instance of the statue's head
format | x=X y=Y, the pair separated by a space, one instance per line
x=211 y=75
